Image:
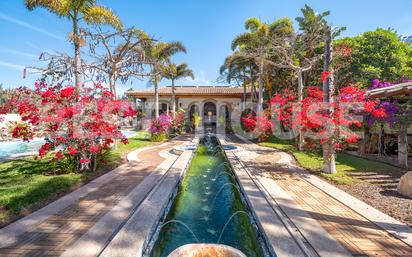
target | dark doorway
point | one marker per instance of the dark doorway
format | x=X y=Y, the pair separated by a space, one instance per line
x=209 y=117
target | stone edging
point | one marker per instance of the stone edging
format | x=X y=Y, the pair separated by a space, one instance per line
x=134 y=155
x=308 y=235
x=10 y=233
x=131 y=239
x=94 y=241
x=394 y=227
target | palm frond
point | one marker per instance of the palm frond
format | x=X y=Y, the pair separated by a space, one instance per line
x=166 y=50
x=58 y=7
x=242 y=39
x=253 y=24
x=102 y=16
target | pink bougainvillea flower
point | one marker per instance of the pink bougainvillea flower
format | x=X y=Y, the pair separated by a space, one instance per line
x=67 y=92
x=324 y=76
x=59 y=155
x=72 y=150
x=125 y=140
x=94 y=148
x=84 y=161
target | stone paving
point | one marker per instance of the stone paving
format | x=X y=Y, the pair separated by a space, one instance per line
x=59 y=231
x=356 y=233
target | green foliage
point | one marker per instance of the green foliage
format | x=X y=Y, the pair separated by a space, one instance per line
x=346 y=165
x=77 y=9
x=27 y=182
x=158 y=137
x=378 y=54
x=24 y=182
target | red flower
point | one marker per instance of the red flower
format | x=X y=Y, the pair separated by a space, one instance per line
x=58 y=156
x=324 y=76
x=94 y=148
x=125 y=140
x=72 y=150
x=44 y=149
x=52 y=110
x=67 y=92
x=84 y=160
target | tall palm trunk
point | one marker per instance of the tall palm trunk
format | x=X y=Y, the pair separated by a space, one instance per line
x=301 y=140
x=77 y=57
x=252 y=83
x=329 y=165
x=260 y=100
x=244 y=96
x=156 y=98
x=173 y=98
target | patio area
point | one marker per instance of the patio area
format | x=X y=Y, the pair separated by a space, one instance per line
x=325 y=220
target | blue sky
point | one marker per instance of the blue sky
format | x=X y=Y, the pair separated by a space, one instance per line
x=206 y=27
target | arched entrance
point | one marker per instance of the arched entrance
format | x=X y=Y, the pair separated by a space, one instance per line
x=193 y=116
x=209 y=117
x=224 y=119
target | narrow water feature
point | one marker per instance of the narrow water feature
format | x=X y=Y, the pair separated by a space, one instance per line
x=208 y=207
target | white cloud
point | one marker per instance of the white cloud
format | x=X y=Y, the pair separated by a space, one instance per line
x=16 y=52
x=200 y=80
x=38 y=48
x=29 y=26
x=12 y=65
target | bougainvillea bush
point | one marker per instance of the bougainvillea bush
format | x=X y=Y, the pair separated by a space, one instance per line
x=320 y=121
x=396 y=111
x=159 y=128
x=79 y=126
x=178 y=122
x=259 y=126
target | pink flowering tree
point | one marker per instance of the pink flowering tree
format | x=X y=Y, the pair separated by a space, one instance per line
x=79 y=127
x=317 y=124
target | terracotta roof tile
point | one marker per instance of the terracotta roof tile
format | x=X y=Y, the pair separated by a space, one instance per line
x=191 y=90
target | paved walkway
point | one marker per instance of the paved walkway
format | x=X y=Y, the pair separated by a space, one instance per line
x=61 y=230
x=356 y=233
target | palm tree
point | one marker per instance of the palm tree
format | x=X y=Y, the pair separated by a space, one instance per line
x=253 y=41
x=240 y=69
x=76 y=11
x=175 y=72
x=158 y=55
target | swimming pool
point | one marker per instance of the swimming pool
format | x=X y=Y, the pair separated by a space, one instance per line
x=17 y=148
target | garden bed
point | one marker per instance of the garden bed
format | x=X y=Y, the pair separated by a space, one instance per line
x=27 y=184
x=371 y=181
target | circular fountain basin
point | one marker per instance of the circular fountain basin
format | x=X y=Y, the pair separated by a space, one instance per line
x=210 y=250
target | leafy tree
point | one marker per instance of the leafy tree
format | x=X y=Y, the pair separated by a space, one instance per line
x=76 y=11
x=378 y=54
x=175 y=72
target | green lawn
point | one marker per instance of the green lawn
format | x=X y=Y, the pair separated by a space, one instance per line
x=344 y=163
x=23 y=183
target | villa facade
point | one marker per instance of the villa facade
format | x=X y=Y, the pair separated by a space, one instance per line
x=215 y=105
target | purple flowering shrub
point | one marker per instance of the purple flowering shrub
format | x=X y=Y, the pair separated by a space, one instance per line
x=159 y=127
x=392 y=107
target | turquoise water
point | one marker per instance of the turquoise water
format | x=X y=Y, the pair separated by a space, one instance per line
x=208 y=207
x=15 y=148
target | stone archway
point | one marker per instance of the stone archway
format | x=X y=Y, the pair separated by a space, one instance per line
x=209 y=116
x=193 y=109
x=224 y=118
